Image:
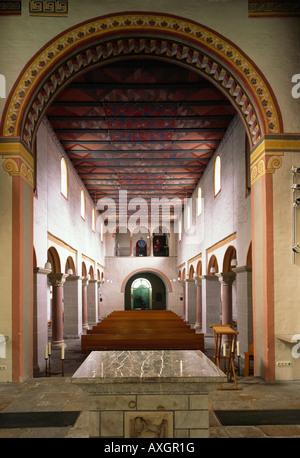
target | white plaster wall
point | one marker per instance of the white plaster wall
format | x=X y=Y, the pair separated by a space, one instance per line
x=59 y=216
x=118 y=269
x=227 y=213
x=287 y=269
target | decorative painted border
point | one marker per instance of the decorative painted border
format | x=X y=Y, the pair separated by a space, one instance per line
x=10 y=8
x=57 y=8
x=18 y=161
x=277 y=8
x=183 y=40
x=266 y=157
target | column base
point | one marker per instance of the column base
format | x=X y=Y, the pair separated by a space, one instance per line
x=57 y=344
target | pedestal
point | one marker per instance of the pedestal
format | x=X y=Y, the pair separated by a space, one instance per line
x=153 y=394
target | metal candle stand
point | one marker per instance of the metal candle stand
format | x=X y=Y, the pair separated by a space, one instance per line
x=48 y=364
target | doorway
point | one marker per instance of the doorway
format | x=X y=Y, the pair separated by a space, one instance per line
x=145 y=290
x=141 y=294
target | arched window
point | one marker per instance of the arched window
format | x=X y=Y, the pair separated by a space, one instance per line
x=64 y=177
x=179 y=230
x=93 y=220
x=82 y=200
x=217 y=175
x=199 y=201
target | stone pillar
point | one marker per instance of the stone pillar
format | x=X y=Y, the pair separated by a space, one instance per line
x=191 y=298
x=151 y=245
x=92 y=302
x=198 y=283
x=73 y=307
x=211 y=302
x=183 y=299
x=85 y=283
x=40 y=319
x=131 y=245
x=98 y=300
x=226 y=279
x=57 y=281
x=244 y=306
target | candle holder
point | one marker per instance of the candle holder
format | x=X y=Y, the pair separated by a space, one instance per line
x=48 y=367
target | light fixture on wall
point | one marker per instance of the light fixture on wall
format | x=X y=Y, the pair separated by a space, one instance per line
x=296 y=248
x=48 y=265
x=70 y=272
x=212 y=270
x=296 y=203
x=233 y=263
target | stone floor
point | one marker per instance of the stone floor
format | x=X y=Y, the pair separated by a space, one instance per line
x=57 y=393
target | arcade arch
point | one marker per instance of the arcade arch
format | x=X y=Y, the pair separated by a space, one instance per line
x=27 y=102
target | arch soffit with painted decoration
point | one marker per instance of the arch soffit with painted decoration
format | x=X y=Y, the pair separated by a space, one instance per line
x=130 y=35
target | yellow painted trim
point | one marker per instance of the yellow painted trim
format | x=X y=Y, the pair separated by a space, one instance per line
x=221 y=243
x=61 y=243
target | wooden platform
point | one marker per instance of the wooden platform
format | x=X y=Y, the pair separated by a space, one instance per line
x=142 y=330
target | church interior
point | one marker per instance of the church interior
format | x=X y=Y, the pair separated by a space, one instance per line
x=149 y=181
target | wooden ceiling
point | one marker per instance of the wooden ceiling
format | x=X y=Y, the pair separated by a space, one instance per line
x=144 y=126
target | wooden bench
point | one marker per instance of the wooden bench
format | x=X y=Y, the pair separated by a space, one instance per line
x=96 y=342
x=141 y=330
x=136 y=329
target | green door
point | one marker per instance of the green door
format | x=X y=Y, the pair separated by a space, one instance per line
x=141 y=294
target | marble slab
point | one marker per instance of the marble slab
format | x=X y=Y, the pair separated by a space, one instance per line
x=142 y=367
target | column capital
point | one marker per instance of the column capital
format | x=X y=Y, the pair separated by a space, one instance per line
x=240 y=269
x=198 y=281
x=57 y=279
x=85 y=281
x=41 y=270
x=209 y=277
x=226 y=278
x=74 y=278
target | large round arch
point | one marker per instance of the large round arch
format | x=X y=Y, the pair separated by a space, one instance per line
x=131 y=35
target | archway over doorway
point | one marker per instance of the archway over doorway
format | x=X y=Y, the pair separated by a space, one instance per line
x=145 y=290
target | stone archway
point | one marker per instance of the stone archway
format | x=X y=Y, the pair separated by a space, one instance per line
x=129 y=35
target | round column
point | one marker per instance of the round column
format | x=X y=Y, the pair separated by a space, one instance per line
x=198 y=324
x=226 y=279
x=57 y=281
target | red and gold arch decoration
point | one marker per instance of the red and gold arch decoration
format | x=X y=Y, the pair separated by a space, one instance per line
x=131 y=35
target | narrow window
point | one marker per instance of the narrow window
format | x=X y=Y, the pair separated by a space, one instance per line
x=217 y=175
x=64 y=177
x=82 y=204
x=93 y=220
x=199 y=201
